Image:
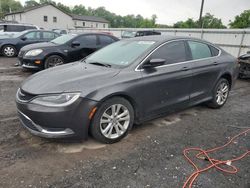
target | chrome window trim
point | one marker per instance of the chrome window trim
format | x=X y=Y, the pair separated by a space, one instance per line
x=139 y=70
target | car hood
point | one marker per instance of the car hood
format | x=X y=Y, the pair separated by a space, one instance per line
x=72 y=77
x=39 y=45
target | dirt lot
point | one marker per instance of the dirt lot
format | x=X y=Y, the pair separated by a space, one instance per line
x=151 y=155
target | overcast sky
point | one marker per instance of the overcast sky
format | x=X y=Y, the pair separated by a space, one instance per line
x=167 y=11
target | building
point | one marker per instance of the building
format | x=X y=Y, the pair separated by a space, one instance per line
x=48 y=16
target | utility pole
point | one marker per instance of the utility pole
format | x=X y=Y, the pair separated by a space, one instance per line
x=201 y=11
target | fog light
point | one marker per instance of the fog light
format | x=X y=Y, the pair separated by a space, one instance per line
x=37 y=62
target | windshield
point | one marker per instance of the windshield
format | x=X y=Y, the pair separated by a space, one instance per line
x=121 y=53
x=63 y=39
x=18 y=34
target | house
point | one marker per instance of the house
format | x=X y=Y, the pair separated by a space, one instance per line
x=48 y=16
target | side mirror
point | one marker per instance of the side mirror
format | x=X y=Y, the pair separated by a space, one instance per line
x=154 y=63
x=75 y=44
x=23 y=38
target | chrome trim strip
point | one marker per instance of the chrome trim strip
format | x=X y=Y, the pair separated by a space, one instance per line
x=30 y=66
x=44 y=132
x=139 y=70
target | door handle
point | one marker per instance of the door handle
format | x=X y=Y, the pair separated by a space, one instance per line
x=215 y=63
x=185 y=68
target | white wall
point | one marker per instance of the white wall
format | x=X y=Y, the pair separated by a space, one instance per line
x=36 y=17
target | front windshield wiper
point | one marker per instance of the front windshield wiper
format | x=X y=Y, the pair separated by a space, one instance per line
x=100 y=64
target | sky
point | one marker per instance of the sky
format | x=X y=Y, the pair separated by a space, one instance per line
x=167 y=11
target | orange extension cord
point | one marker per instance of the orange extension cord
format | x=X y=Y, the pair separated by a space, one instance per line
x=203 y=154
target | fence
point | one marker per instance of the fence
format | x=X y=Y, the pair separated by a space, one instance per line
x=234 y=41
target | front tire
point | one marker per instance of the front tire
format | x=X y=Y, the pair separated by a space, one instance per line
x=220 y=94
x=53 y=61
x=9 y=51
x=112 y=120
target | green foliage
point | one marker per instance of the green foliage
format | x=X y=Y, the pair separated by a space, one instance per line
x=241 y=21
x=30 y=3
x=208 y=21
x=9 y=5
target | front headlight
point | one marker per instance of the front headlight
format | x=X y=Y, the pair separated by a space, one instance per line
x=34 y=52
x=57 y=100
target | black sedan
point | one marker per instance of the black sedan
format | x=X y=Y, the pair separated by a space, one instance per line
x=10 y=47
x=130 y=81
x=64 y=49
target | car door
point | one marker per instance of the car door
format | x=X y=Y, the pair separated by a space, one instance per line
x=206 y=69
x=30 y=38
x=167 y=87
x=88 y=44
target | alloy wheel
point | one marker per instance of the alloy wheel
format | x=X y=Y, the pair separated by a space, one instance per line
x=55 y=61
x=222 y=93
x=114 y=121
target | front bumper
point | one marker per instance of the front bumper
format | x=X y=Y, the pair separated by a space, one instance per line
x=57 y=122
x=29 y=62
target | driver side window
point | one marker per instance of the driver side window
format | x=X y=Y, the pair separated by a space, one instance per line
x=172 y=52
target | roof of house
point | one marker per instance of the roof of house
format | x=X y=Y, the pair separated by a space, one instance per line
x=74 y=17
x=89 y=18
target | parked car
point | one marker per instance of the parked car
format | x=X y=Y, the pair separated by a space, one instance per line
x=8 y=28
x=127 y=82
x=244 y=62
x=64 y=49
x=146 y=33
x=11 y=46
x=61 y=31
x=131 y=34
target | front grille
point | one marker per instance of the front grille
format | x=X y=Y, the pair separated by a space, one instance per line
x=24 y=96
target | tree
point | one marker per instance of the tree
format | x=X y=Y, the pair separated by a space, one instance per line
x=241 y=21
x=208 y=21
x=9 y=6
x=31 y=3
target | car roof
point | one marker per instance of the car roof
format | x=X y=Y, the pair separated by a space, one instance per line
x=163 y=38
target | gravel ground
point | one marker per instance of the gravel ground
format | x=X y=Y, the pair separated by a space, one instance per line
x=151 y=155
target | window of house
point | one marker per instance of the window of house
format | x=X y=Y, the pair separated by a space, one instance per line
x=83 y=24
x=45 y=18
x=104 y=25
x=54 y=19
x=199 y=50
x=96 y=25
x=172 y=52
x=75 y=22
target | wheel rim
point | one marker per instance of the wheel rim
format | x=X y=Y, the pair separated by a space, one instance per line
x=9 y=51
x=55 y=61
x=222 y=93
x=115 y=121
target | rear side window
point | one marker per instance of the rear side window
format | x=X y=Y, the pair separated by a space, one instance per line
x=172 y=52
x=214 y=51
x=105 y=40
x=199 y=50
x=87 y=40
x=48 y=35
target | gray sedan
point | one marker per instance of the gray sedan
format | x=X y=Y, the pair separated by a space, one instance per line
x=127 y=82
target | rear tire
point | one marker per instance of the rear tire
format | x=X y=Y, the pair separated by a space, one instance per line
x=112 y=121
x=53 y=61
x=9 y=51
x=220 y=94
